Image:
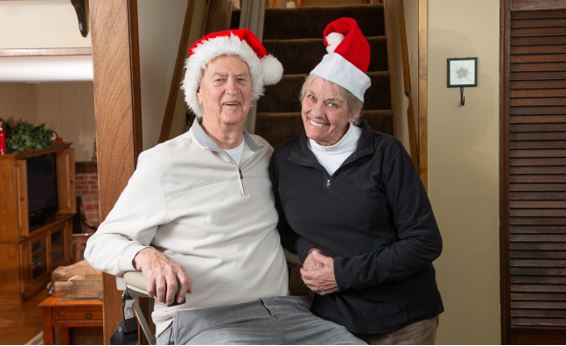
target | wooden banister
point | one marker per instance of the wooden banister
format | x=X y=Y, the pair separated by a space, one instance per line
x=413 y=142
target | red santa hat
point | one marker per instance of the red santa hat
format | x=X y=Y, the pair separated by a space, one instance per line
x=264 y=69
x=347 y=60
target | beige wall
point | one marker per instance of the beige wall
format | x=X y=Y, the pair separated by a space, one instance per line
x=17 y=101
x=463 y=169
x=159 y=32
x=39 y=24
x=67 y=108
x=160 y=29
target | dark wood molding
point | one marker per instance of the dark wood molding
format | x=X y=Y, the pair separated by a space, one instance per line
x=23 y=52
x=423 y=91
x=117 y=113
x=504 y=51
x=30 y=153
x=177 y=74
x=81 y=9
x=530 y=5
x=528 y=336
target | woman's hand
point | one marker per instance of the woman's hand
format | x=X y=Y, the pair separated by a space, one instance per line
x=318 y=273
x=310 y=262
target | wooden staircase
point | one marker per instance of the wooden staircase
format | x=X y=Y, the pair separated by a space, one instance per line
x=294 y=36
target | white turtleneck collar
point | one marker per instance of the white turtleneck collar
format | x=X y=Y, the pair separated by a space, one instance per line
x=331 y=157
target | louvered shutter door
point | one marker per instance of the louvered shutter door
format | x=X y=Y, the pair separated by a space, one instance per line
x=535 y=165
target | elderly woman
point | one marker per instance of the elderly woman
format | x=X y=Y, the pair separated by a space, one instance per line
x=353 y=208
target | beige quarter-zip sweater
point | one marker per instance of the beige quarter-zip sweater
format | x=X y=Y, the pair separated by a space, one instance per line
x=216 y=218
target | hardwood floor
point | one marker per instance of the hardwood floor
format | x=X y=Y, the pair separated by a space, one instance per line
x=21 y=322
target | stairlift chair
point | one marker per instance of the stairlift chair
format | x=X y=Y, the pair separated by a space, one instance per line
x=133 y=284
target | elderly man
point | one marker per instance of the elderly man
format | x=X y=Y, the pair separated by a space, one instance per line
x=197 y=218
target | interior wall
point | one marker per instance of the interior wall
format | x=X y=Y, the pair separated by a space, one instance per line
x=17 y=101
x=68 y=108
x=159 y=32
x=160 y=28
x=198 y=27
x=463 y=154
x=39 y=24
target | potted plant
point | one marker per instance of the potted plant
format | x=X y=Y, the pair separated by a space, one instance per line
x=22 y=135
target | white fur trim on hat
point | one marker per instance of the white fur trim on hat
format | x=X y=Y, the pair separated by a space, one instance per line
x=272 y=70
x=338 y=70
x=262 y=72
x=333 y=39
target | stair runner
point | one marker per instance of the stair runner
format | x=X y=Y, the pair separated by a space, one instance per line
x=294 y=36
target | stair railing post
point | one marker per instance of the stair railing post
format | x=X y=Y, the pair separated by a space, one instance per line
x=413 y=141
x=252 y=17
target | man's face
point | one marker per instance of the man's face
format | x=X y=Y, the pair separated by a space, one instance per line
x=225 y=91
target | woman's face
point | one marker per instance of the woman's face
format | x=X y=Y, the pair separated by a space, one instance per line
x=225 y=91
x=325 y=112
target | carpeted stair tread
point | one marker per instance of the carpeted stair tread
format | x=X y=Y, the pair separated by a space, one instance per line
x=284 y=96
x=302 y=55
x=294 y=36
x=279 y=127
x=311 y=21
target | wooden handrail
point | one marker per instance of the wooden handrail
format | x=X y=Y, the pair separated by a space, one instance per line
x=177 y=74
x=413 y=142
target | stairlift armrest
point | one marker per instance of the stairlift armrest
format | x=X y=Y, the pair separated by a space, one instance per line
x=135 y=281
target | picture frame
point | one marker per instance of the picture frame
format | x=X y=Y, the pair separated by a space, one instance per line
x=462 y=72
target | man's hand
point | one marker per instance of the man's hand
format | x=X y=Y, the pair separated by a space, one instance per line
x=318 y=273
x=165 y=279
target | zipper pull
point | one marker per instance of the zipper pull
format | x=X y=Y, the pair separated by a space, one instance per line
x=328 y=183
x=241 y=181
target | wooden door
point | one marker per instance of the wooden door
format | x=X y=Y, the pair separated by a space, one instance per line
x=533 y=171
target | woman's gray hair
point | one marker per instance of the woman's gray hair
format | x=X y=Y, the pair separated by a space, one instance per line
x=354 y=105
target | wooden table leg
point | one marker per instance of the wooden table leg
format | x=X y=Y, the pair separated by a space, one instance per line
x=64 y=338
x=48 y=332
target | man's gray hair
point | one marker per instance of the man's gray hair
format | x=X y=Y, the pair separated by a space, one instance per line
x=354 y=105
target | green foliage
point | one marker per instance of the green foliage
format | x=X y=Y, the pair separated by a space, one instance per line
x=22 y=135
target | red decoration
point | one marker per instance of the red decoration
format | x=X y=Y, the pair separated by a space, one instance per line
x=2 y=139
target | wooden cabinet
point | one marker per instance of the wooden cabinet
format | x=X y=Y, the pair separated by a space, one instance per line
x=28 y=255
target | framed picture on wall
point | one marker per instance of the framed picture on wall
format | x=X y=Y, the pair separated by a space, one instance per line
x=462 y=72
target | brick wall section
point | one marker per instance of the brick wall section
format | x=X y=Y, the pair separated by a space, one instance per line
x=86 y=181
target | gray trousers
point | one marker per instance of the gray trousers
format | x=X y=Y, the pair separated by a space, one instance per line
x=275 y=320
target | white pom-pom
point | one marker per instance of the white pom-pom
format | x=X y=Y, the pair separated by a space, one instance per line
x=271 y=70
x=333 y=39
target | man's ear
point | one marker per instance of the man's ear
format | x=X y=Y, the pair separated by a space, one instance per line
x=199 y=96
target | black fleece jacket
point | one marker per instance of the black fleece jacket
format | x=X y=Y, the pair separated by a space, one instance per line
x=374 y=218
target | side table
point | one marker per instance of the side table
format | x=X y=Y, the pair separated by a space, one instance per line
x=64 y=313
